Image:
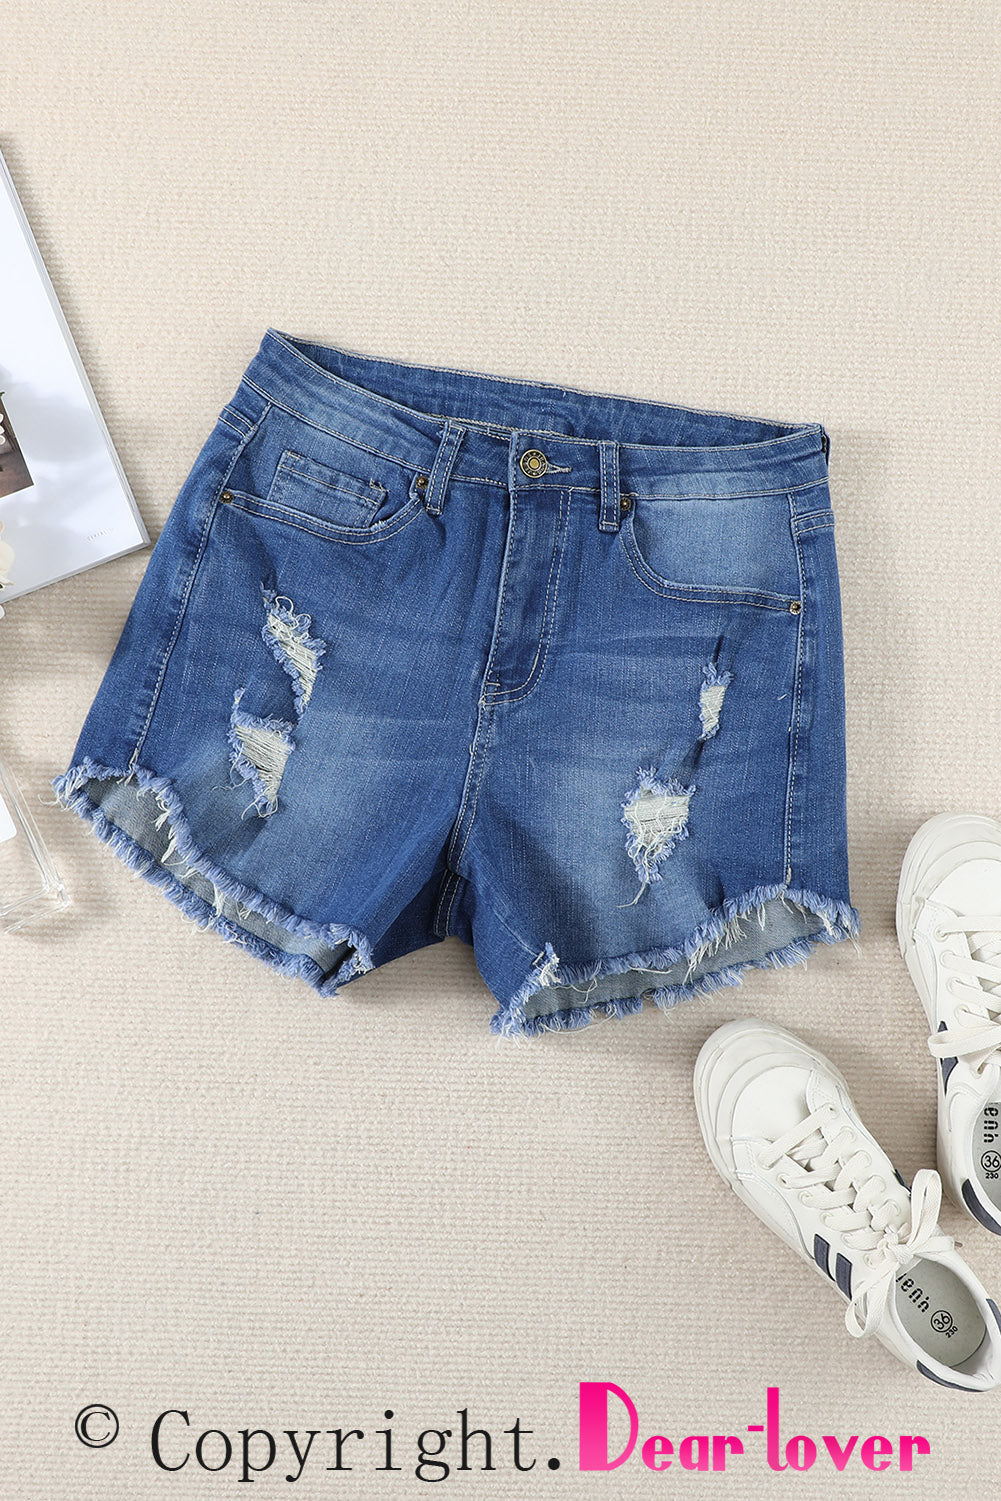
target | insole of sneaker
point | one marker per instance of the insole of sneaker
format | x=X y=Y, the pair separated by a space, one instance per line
x=987 y=1152
x=939 y=1312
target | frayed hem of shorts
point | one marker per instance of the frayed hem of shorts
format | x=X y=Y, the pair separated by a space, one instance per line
x=839 y=921
x=69 y=790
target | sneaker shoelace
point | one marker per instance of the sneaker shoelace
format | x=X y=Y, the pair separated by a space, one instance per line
x=836 y=1177
x=979 y=1041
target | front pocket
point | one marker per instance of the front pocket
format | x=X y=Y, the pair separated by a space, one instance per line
x=305 y=484
x=293 y=471
x=726 y=549
x=316 y=526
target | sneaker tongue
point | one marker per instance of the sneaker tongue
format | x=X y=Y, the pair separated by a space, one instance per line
x=975 y=886
x=985 y=948
x=822 y=1090
x=772 y=1104
x=808 y=1149
x=819 y=1092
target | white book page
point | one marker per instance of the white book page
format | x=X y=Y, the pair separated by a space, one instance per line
x=78 y=508
x=8 y=828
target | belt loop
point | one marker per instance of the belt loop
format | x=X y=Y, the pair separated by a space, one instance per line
x=434 y=497
x=611 y=515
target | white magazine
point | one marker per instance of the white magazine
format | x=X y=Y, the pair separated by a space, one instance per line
x=65 y=502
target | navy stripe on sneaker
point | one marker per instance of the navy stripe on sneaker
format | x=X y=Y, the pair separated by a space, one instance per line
x=975 y=1207
x=822 y=1254
x=941 y=1382
x=995 y=1310
x=843 y=1274
x=948 y=1064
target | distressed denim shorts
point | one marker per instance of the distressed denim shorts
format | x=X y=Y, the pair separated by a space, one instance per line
x=423 y=652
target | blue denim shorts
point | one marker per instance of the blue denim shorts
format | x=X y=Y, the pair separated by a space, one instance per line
x=424 y=652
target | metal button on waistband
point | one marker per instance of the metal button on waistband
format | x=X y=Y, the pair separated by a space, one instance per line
x=533 y=463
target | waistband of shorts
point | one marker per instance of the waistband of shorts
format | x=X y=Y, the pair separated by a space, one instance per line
x=400 y=410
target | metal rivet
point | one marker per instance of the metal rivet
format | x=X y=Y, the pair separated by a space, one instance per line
x=625 y=504
x=227 y=495
x=795 y=608
x=421 y=481
x=533 y=463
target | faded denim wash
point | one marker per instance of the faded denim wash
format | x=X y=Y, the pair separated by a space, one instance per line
x=426 y=652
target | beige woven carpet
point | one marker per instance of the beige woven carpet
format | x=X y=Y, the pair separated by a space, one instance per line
x=226 y=1197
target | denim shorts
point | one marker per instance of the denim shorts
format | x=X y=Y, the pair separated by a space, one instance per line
x=424 y=652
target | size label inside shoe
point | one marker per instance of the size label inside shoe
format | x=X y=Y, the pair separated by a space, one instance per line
x=989 y=1133
x=987 y=1151
x=939 y=1312
x=8 y=828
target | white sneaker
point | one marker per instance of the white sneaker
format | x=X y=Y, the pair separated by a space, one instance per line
x=779 y=1124
x=949 y=929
